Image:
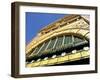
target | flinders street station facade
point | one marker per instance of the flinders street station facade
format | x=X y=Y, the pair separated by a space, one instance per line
x=63 y=42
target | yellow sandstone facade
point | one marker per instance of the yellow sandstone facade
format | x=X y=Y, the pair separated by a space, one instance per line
x=65 y=40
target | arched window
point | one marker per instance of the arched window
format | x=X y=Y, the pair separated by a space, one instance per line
x=58 y=45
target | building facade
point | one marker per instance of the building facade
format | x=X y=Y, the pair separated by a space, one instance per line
x=63 y=42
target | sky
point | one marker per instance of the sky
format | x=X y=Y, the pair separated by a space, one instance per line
x=36 y=21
